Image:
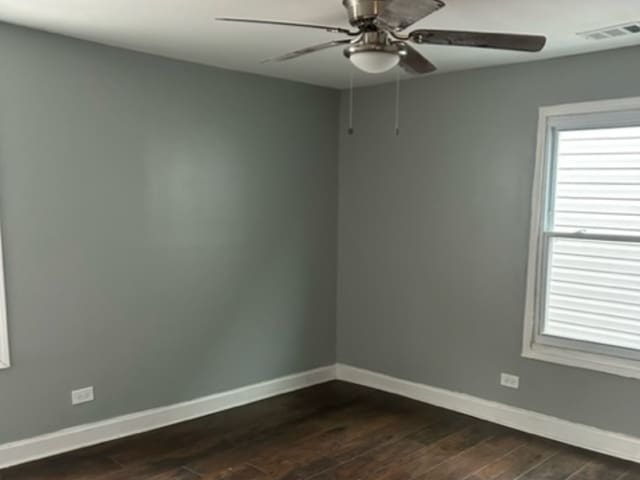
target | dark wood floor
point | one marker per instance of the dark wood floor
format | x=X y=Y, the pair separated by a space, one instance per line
x=334 y=431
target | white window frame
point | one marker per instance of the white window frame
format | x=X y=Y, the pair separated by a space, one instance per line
x=621 y=112
x=4 y=332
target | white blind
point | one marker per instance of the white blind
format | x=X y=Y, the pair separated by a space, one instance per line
x=597 y=181
x=593 y=286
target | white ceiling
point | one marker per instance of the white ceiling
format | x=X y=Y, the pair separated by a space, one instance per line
x=185 y=29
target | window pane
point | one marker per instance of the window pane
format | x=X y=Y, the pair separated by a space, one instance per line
x=597 y=181
x=593 y=292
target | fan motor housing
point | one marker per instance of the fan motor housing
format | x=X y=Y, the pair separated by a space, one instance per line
x=363 y=12
x=373 y=42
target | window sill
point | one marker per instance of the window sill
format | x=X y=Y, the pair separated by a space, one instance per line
x=590 y=361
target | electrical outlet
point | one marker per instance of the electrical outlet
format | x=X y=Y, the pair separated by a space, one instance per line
x=83 y=395
x=510 y=381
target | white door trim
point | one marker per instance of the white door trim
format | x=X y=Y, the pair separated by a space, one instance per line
x=4 y=329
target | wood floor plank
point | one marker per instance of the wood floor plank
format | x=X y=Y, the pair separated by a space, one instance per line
x=477 y=457
x=333 y=431
x=602 y=468
x=632 y=474
x=515 y=463
x=379 y=457
x=273 y=452
x=424 y=460
x=243 y=472
x=150 y=473
x=298 y=451
x=334 y=446
x=559 y=466
x=62 y=468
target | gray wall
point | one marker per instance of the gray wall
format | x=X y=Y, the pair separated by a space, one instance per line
x=434 y=229
x=169 y=229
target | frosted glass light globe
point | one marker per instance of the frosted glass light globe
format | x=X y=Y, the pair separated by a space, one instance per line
x=375 y=61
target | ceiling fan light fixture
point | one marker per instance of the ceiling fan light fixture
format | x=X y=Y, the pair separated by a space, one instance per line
x=373 y=53
x=375 y=61
x=378 y=42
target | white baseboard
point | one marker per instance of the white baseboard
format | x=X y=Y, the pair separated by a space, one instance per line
x=91 y=434
x=583 y=436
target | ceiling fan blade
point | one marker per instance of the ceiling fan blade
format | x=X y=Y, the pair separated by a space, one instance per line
x=413 y=61
x=501 y=41
x=288 y=24
x=305 y=51
x=397 y=15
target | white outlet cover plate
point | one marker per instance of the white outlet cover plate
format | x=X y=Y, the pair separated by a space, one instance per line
x=82 y=395
x=510 y=381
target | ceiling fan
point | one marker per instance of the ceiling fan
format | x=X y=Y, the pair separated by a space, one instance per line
x=379 y=42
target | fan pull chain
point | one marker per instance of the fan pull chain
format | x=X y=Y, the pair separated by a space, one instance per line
x=350 y=131
x=397 y=102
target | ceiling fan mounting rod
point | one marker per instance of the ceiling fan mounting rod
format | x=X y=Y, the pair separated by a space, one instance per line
x=362 y=13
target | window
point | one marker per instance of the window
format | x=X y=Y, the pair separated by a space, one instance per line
x=583 y=282
x=4 y=336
